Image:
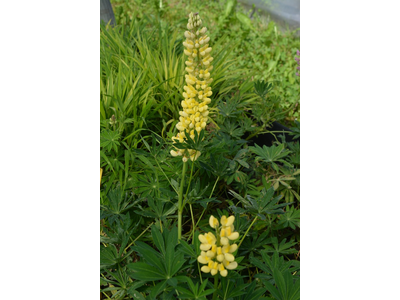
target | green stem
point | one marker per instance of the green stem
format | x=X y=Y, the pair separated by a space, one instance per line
x=138 y=237
x=190 y=180
x=180 y=202
x=197 y=223
x=215 y=286
x=247 y=231
x=213 y=187
x=193 y=225
x=198 y=266
x=165 y=174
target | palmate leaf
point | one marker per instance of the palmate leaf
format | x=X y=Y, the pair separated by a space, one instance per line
x=263 y=204
x=252 y=293
x=158 y=208
x=218 y=165
x=270 y=263
x=151 y=256
x=118 y=202
x=282 y=247
x=230 y=108
x=158 y=239
x=229 y=290
x=109 y=139
x=290 y=219
x=145 y=272
x=270 y=154
x=195 y=292
x=135 y=294
x=232 y=128
x=262 y=88
x=109 y=256
x=187 y=249
x=164 y=264
x=255 y=242
x=288 y=287
x=278 y=272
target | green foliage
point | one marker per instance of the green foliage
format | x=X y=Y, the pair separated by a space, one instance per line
x=162 y=265
x=262 y=205
x=196 y=291
x=141 y=81
x=261 y=49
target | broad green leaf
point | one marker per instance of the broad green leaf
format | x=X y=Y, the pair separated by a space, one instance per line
x=158 y=239
x=187 y=249
x=150 y=255
x=145 y=272
x=157 y=289
x=281 y=284
x=274 y=292
x=135 y=294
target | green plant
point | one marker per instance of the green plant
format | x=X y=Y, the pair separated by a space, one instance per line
x=156 y=207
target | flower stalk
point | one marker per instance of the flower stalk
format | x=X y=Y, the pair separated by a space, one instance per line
x=194 y=113
x=180 y=201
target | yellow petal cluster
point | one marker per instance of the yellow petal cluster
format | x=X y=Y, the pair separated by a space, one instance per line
x=194 y=114
x=216 y=251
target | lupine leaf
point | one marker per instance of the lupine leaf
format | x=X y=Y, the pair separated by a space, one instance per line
x=158 y=239
x=145 y=272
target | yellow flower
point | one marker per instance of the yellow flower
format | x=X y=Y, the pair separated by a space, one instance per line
x=207 y=241
x=216 y=251
x=194 y=114
x=213 y=222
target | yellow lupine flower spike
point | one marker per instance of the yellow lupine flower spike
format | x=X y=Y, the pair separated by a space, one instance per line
x=216 y=252
x=194 y=116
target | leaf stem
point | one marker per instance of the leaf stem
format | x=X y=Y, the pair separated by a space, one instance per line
x=198 y=266
x=138 y=237
x=190 y=180
x=247 y=231
x=180 y=202
x=193 y=225
x=192 y=233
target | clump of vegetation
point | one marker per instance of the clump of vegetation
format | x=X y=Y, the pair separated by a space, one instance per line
x=190 y=207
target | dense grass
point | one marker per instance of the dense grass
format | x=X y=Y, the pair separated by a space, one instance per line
x=262 y=51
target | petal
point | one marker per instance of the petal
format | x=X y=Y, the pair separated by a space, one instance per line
x=202 y=260
x=205 y=269
x=210 y=254
x=229 y=257
x=233 y=236
x=233 y=248
x=223 y=220
x=223 y=273
x=230 y=221
x=202 y=239
x=220 y=257
x=212 y=236
x=224 y=241
x=232 y=265
x=205 y=247
x=213 y=221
